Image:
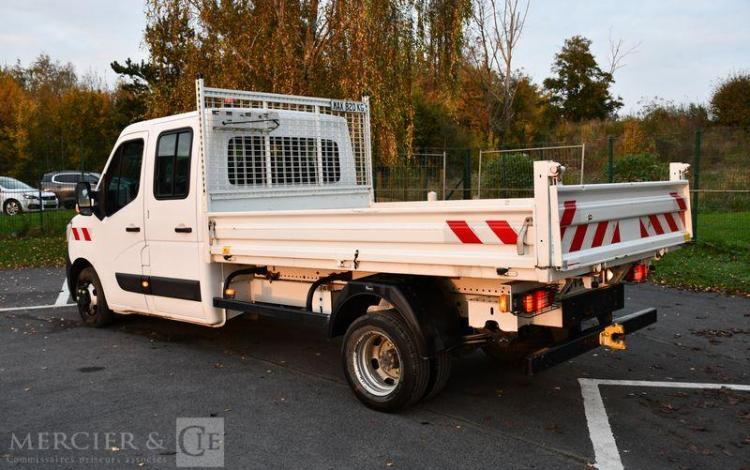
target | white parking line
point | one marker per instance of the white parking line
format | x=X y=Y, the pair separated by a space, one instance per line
x=34 y=307
x=606 y=455
x=64 y=295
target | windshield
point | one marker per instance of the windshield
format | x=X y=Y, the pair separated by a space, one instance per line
x=11 y=183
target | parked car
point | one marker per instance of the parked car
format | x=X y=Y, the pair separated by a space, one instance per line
x=63 y=184
x=17 y=196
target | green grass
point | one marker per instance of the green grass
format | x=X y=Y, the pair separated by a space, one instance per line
x=32 y=252
x=33 y=240
x=718 y=261
x=35 y=223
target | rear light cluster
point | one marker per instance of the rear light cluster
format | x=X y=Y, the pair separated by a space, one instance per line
x=535 y=301
x=638 y=273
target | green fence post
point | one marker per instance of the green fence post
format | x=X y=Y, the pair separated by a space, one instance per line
x=41 y=209
x=610 y=159
x=696 y=180
x=467 y=174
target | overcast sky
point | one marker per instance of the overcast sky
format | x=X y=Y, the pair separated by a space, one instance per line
x=685 y=45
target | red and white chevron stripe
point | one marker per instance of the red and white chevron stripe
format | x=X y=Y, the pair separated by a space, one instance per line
x=84 y=233
x=490 y=232
x=593 y=235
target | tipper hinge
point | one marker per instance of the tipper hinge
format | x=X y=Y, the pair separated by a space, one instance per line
x=521 y=240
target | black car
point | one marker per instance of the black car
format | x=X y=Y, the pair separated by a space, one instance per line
x=63 y=184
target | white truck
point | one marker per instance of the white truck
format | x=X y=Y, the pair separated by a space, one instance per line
x=263 y=204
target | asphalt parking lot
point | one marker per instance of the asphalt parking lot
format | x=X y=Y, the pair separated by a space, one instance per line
x=285 y=402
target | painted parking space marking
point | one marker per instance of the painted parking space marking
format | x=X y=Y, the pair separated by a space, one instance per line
x=64 y=296
x=34 y=307
x=606 y=454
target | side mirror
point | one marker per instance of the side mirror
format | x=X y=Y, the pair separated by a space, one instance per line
x=84 y=198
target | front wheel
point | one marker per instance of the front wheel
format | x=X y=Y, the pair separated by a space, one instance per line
x=12 y=207
x=382 y=362
x=92 y=306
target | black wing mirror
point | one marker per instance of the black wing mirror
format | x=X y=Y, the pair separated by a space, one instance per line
x=84 y=198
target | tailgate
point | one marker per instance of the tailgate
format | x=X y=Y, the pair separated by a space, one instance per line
x=604 y=222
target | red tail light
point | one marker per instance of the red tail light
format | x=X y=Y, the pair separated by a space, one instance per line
x=638 y=273
x=537 y=300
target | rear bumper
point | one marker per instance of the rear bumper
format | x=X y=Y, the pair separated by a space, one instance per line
x=585 y=341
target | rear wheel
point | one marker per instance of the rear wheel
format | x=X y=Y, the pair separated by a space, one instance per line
x=382 y=362
x=440 y=372
x=92 y=305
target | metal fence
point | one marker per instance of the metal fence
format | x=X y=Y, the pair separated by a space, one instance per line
x=42 y=204
x=447 y=172
x=720 y=174
x=508 y=173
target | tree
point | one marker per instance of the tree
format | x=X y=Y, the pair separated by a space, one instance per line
x=579 y=89
x=730 y=102
x=497 y=33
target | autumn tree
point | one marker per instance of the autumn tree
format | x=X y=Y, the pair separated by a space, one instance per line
x=730 y=102
x=51 y=119
x=579 y=88
x=497 y=28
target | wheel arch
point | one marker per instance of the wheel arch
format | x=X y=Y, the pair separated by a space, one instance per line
x=421 y=301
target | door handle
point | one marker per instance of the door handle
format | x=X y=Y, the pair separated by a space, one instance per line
x=132 y=229
x=183 y=229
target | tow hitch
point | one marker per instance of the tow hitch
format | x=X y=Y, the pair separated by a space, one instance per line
x=611 y=336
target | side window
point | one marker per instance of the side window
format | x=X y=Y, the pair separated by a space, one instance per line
x=66 y=178
x=172 y=173
x=123 y=178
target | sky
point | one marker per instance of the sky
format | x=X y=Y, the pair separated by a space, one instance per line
x=684 y=46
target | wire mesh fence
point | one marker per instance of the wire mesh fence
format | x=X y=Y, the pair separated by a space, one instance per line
x=40 y=206
x=509 y=172
x=720 y=176
x=443 y=171
x=41 y=201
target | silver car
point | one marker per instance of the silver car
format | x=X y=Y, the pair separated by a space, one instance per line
x=17 y=196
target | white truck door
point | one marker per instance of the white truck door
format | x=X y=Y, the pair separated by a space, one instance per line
x=120 y=233
x=171 y=226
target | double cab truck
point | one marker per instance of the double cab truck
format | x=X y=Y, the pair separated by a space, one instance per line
x=263 y=204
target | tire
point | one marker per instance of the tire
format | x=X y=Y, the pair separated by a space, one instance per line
x=440 y=371
x=382 y=362
x=92 y=305
x=12 y=207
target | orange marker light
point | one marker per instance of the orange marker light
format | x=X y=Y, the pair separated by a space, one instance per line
x=504 y=303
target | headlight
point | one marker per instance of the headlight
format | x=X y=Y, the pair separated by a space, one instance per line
x=31 y=196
